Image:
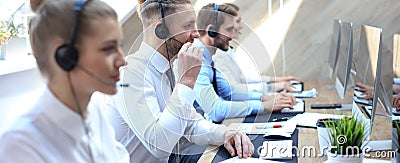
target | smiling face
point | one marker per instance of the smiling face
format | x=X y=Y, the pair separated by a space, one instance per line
x=100 y=53
x=226 y=32
x=182 y=27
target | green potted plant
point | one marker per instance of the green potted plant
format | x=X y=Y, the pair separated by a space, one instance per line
x=8 y=30
x=346 y=138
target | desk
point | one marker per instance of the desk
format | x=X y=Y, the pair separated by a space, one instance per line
x=309 y=136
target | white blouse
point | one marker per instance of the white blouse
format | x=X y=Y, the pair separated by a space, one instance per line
x=51 y=132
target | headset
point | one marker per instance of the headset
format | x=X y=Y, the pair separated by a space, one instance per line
x=67 y=55
x=212 y=31
x=161 y=30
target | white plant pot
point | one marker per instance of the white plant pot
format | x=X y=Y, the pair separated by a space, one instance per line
x=3 y=52
x=335 y=158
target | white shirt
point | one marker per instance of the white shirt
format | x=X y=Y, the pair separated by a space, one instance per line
x=241 y=89
x=150 y=120
x=51 y=132
x=244 y=60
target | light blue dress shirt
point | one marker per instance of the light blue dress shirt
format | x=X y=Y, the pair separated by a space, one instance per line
x=216 y=107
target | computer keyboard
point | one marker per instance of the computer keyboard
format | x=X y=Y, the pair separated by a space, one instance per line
x=359 y=93
x=298 y=87
x=280 y=149
x=368 y=109
x=298 y=108
x=362 y=101
x=395 y=112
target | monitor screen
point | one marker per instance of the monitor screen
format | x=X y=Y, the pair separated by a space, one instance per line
x=371 y=70
x=365 y=62
x=385 y=84
x=334 y=48
x=344 y=58
x=396 y=55
x=366 y=67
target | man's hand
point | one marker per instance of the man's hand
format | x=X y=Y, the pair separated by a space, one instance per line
x=285 y=85
x=367 y=90
x=189 y=64
x=396 y=102
x=280 y=101
x=238 y=143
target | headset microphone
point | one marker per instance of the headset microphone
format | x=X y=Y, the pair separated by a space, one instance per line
x=177 y=41
x=123 y=85
x=101 y=80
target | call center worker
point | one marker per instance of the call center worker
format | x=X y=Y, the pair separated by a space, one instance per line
x=216 y=28
x=154 y=116
x=71 y=42
x=226 y=63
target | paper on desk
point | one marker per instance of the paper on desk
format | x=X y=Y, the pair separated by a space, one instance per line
x=305 y=94
x=288 y=127
x=252 y=160
x=310 y=119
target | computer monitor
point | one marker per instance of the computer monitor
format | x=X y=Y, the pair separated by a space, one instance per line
x=396 y=55
x=383 y=82
x=344 y=58
x=365 y=62
x=370 y=70
x=371 y=66
x=334 y=48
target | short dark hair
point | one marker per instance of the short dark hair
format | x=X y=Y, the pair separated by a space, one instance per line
x=236 y=7
x=206 y=16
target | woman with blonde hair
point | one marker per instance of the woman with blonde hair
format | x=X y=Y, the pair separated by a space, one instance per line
x=77 y=49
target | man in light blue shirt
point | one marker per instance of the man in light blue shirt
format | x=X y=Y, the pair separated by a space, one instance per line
x=216 y=30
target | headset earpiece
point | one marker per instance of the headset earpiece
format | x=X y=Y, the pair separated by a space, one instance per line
x=67 y=57
x=212 y=32
x=162 y=31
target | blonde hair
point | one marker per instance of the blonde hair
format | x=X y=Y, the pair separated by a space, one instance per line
x=53 y=21
x=149 y=10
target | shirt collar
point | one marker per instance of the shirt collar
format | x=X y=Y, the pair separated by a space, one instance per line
x=206 y=55
x=62 y=116
x=156 y=59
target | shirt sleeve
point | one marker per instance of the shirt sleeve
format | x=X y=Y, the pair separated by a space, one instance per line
x=98 y=104
x=16 y=148
x=158 y=129
x=229 y=76
x=215 y=107
x=237 y=91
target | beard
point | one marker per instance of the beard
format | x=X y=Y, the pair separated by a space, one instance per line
x=221 y=44
x=173 y=48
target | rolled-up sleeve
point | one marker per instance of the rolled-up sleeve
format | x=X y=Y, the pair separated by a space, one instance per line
x=159 y=129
